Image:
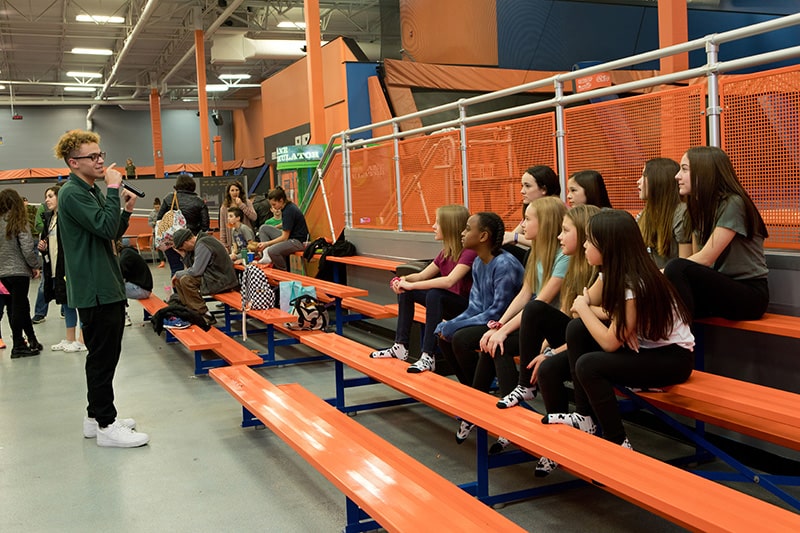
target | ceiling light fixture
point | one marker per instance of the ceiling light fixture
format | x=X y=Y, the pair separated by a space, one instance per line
x=234 y=76
x=216 y=88
x=92 y=51
x=292 y=25
x=79 y=89
x=2 y=87
x=85 y=75
x=100 y=18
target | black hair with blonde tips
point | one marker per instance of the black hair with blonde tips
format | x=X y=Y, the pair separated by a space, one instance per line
x=627 y=265
x=593 y=186
x=713 y=181
x=70 y=143
x=662 y=199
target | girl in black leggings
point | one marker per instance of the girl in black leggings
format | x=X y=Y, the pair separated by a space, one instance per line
x=631 y=329
x=726 y=275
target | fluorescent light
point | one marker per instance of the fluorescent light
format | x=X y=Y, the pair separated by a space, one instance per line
x=2 y=87
x=92 y=51
x=292 y=25
x=216 y=88
x=77 y=74
x=79 y=89
x=234 y=76
x=100 y=18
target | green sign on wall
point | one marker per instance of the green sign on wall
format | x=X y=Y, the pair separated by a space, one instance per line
x=299 y=156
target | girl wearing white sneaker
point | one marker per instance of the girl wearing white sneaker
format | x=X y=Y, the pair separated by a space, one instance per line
x=542 y=350
x=631 y=329
x=442 y=287
x=55 y=286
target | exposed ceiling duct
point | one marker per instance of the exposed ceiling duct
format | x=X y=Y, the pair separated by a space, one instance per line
x=232 y=48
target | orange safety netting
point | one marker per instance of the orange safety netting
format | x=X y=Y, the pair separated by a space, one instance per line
x=761 y=134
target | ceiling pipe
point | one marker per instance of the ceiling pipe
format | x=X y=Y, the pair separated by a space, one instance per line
x=148 y=10
x=233 y=6
x=122 y=101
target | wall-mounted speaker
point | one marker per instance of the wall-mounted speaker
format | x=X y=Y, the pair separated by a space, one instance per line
x=217 y=118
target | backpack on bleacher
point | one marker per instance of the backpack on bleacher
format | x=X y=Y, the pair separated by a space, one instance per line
x=256 y=292
x=311 y=313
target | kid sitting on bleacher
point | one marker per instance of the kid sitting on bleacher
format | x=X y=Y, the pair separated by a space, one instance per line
x=442 y=287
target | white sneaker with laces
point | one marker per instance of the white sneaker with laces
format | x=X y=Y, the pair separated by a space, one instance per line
x=118 y=435
x=90 y=426
x=464 y=429
x=61 y=346
x=396 y=350
x=128 y=320
x=76 y=346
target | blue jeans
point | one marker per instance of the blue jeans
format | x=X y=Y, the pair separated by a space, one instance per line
x=135 y=292
x=42 y=305
x=70 y=316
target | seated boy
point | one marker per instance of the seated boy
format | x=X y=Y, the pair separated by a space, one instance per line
x=241 y=234
x=209 y=270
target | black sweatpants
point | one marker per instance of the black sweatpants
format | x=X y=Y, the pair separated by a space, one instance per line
x=103 y=327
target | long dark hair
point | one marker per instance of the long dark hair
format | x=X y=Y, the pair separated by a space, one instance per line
x=713 y=181
x=627 y=265
x=11 y=204
x=278 y=194
x=593 y=186
x=242 y=195
x=662 y=199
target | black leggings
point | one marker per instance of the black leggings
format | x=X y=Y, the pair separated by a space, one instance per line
x=19 y=309
x=706 y=292
x=595 y=372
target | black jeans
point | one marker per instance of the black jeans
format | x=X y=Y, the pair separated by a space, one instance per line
x=103 y=326
x=19 y=309
x=706 y=292
x=595 y=372
x=440 y=304
x=472 y=367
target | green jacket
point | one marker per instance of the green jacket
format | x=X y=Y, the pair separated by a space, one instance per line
x=89 y=223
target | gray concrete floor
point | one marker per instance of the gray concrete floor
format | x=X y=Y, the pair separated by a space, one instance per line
x=202 y=472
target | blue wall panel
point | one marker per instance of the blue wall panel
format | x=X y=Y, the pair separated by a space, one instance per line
x=358 y=95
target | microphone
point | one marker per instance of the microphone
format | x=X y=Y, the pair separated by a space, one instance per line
x=133 y=189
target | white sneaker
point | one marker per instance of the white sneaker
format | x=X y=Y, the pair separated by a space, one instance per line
x=265 y=260
x=128 y=320
x=90 y=426
x=76 y=346
x=119 y=436
x=61 y=346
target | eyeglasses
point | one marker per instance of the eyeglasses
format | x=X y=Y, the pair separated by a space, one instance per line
x=93 y=157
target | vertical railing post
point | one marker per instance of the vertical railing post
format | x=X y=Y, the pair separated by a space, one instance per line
x=561 y=145
x=396 y=158
x=346 y=182
x=462 y=132
x=713 y=109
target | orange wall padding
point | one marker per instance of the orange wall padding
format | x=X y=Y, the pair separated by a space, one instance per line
x=285 y=95
x=449 y=31
x=248 y=130
x=378 y=108
x=483 y=79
